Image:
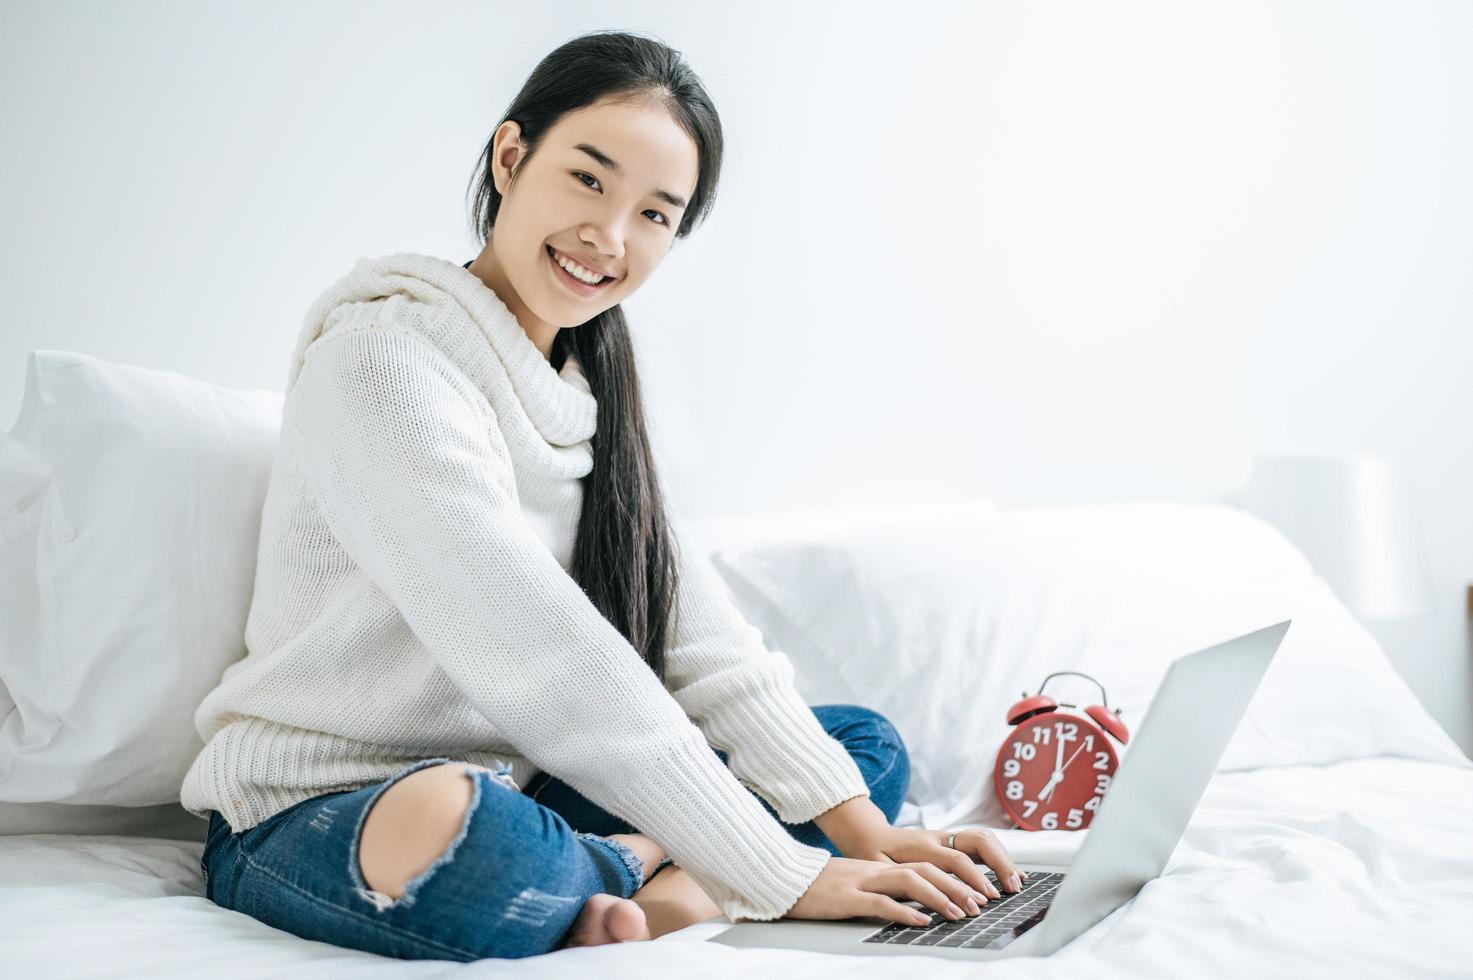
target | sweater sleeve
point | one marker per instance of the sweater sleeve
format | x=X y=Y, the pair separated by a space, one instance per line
x=411 y=474
x=742 y=695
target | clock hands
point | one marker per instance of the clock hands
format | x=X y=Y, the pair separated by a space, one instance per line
x=1071 y=758
x=1058 y=775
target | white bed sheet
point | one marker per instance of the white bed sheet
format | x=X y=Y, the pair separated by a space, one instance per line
x=1357 y=869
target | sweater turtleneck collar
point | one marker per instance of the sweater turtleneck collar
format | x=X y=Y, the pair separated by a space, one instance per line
x=468 y=323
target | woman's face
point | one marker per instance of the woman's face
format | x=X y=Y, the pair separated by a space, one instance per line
x=598 y=191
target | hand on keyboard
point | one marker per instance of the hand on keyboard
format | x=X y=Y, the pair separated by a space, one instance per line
x=849 y=887
x=955 y=852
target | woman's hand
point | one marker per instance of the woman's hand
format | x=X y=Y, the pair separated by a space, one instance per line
x=906 y=845
x=847 y=887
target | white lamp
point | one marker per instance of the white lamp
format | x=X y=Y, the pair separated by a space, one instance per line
x=1354 y=517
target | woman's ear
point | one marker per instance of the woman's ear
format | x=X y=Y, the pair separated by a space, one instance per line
x=506 y=150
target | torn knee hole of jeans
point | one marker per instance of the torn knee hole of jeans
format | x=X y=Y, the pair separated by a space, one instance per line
x=382 y=902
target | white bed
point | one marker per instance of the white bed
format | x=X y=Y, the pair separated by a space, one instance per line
x=1361 y=868
x=1333 y=840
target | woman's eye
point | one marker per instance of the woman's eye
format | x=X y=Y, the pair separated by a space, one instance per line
x=581 y=174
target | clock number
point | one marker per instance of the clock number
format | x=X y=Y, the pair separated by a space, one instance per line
x=1102 y=782
x=1089 y=743
x=1068 y=730
x=1050 y=821
x=1028 y=807
x=1011 y=767
x=1076 y=818
x=1023 y=751
x=1102 y=760
x=1015 y=789
x=1041 y=734
x=1093 y=803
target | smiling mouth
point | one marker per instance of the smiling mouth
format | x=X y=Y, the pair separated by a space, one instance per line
x=553 y=255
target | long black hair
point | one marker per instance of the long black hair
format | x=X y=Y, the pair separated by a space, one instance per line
x=624 y=557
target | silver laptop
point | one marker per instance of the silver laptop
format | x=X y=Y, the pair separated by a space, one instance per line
x=1140 y=820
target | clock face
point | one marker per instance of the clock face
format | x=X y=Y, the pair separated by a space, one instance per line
x=1053 y=771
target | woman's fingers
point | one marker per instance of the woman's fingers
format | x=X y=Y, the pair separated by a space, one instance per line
x=961 y=864
x=984 y=845
x=885 y=907
x=959 y=892
x=909 y=880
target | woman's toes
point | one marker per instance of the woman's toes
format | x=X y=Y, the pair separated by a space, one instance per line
x=607 y=918
x=625 y=921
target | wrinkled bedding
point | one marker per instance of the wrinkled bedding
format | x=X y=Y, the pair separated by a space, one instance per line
x=1362 y=868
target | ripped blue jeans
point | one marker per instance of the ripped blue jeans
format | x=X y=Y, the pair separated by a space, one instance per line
x=510 y=884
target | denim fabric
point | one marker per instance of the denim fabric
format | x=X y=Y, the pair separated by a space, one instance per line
x=512 y=881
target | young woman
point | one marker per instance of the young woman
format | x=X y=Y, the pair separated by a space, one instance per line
x=467 y=585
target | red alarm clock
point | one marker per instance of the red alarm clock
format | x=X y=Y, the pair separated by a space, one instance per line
x=1055 y=767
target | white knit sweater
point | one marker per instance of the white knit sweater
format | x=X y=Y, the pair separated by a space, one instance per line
x=412 y=600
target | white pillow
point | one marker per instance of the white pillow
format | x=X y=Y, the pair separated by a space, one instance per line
x=835 y=522
x=22 y=481
x=130 y=508
x=793 y=528
x=942 y=630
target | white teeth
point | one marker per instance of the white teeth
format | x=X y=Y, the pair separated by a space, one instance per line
x=576 y=270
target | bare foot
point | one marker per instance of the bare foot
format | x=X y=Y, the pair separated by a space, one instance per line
x=607 y=918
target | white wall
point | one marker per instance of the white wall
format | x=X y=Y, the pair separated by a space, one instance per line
x=1051 y=255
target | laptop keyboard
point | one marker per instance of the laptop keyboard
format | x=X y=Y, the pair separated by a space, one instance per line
x=1001 y=921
